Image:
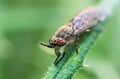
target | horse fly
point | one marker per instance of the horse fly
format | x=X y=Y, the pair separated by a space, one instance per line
x=68 y=33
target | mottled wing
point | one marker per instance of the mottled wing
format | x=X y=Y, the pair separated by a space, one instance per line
x=86 y=19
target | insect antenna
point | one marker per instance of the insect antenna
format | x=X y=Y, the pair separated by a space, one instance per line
x=49 y=46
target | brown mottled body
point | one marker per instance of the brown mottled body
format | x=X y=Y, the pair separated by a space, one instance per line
x=68 y=33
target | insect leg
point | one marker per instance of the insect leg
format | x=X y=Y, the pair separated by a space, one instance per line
x=76 y=44
x=60 y=57
x=76 y=47
x=58 y=54
x=65 y=49
x=57 y=60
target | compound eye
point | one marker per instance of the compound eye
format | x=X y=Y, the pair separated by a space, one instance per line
x=59 y=41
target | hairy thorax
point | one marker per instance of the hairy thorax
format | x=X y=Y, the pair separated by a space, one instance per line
x=65 y=32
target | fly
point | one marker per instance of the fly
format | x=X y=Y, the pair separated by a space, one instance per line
x=69 y=32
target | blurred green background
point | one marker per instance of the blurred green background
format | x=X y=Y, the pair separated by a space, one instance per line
x=25 y=23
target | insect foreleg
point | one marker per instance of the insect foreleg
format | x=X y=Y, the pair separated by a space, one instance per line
x=58 y=54
x=59 y=58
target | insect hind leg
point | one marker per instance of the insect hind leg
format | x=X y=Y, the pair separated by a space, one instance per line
x=76 y=43
x=76 y=47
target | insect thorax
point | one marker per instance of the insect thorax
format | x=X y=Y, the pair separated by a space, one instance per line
x=65 y=32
